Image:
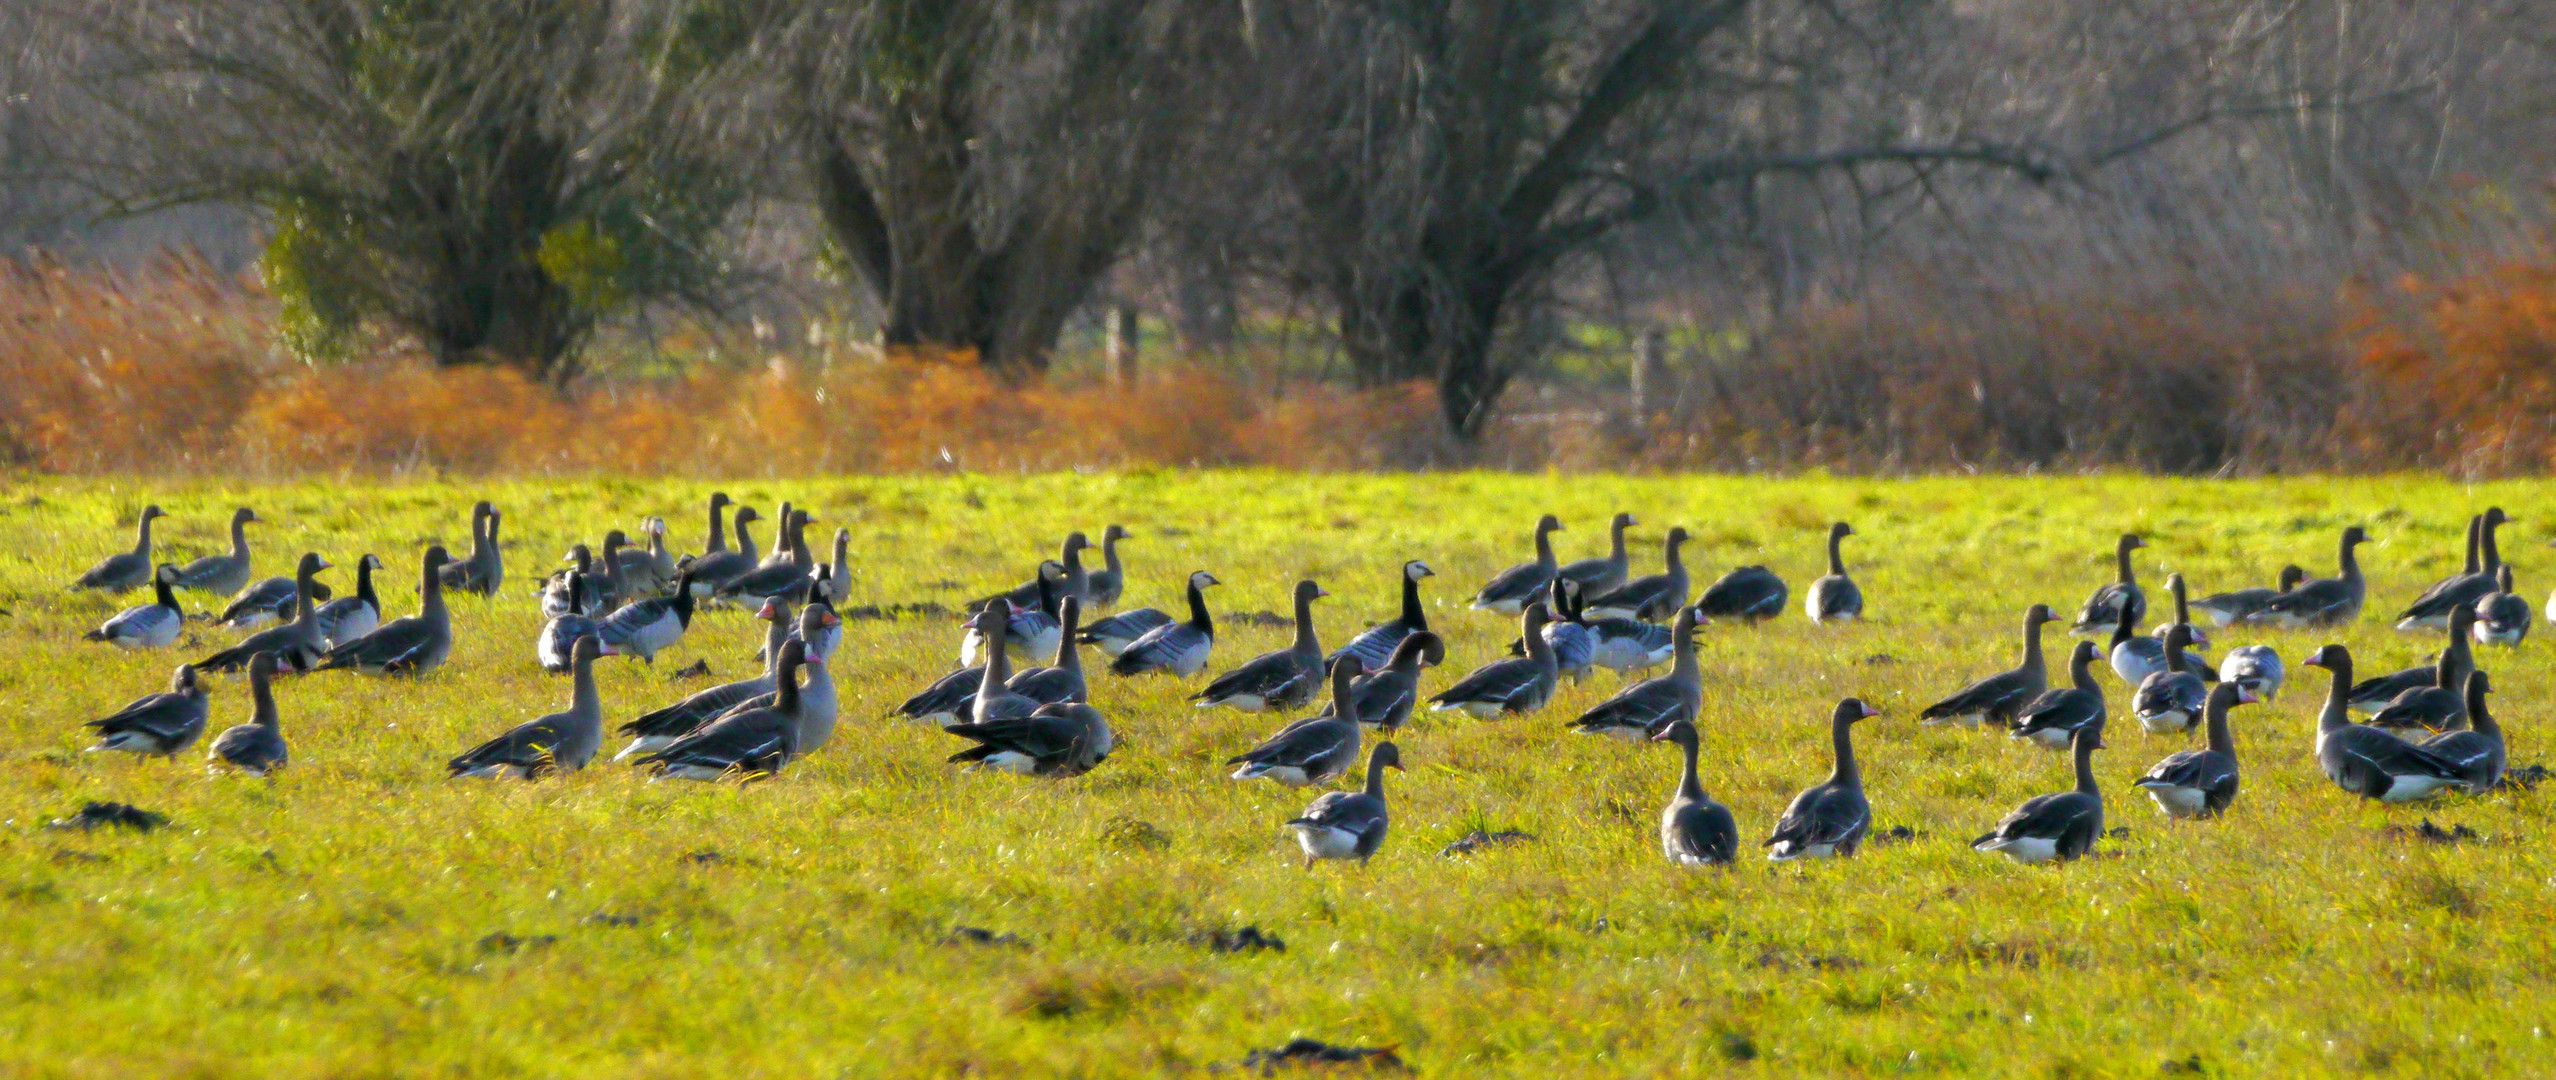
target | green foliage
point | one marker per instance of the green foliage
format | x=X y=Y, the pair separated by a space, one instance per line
x=303 y=267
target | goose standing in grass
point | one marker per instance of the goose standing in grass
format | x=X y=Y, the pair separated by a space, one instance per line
x=782 y=550
x=2054 y=717
x=1033 y=633
x=2430 y=611
x=1181 y=648
x=1642 y=709
x=994 y=697
x=650 y=570
x=2135 y=656
x=609 y=584
x=2370 y=762
x=223 y=574
x=1597 y=576
x=349 y=617
x=748 y=743
x=2456 y=659
x=264 y=601
x=1107 y=584
x=2057 y=827
x=813 y=722
x=1347 y=825
x=1058 y=740
x=1067 y=579
x=645 y=628
x=124 y=571
x=2171 y=699
x=1062 y=683
x=157 y=725
x=2103 y=609
x=559 y=742
x=1385 y=698
x=1508 y=591
x=1996 y=699
x=483 y=570
x=1834 y=598
x=834 y=580
x=1375 y=647
x=2478 y=751
x=1694 y=830
x=408 y=645
x=717 y=541
x=556 y=646
x=2325 y=602
x=1656 y=596
x=1313 y=751
x=2502 y=616
x=2183 y=617
x=1512 y=686
x=1751 y=594
x=1275 y=681
x=2258 y=668
x=712 y=569
x=2437 y=707
x=2229 y=608
x=1828 y=819
x=297 y=646
x=149 y=626
x=559 y=598
x=2201 y=783
x=257 y=747
x=659 y=728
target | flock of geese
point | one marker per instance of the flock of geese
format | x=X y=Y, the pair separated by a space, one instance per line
x=2428 y=729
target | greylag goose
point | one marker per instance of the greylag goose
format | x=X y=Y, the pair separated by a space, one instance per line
x=296 y=646
x=712 y=569
x=2430 y=611
x=1375 y=647
x=1062 y=683
x=1599 y=575
x=1181 y=648
x=2502 y=616
x=994 y=697
x=1655 y=596
x=2324 y=602
x=257 y=747
x=659 y=728
x=556 y=646
x=2370 y=762
x=2230 y=608
x=223 y=574
x=2170 y=700
x=784 y=580
x=834 y=581
x=1834 y=598
x=265 y=601
x=1828 y=819
x=1106 y=584
x=1642 y=709
x=1032 y=633
x=483 y=570
x=1997 y=698
x=1751 y=594
x=1348 y=825
x=747 y=743
x=1694 y=830
x=124 y=571
x=813 y=723
x=2056 y=827
x=349 y=617
x=1313 y=751
x=1275 y=681
x=1386 y=698
x=2055 y=716
x=1513 y=686
x=157 y=725
x=647 y=627
x=2201 y=783
x=1508 y=591
x=2478 y=751
x=2257 y=668
x=559 y=742
x=149 y=626
x=410 y=644
x=1058 y=740
x=2103 y=609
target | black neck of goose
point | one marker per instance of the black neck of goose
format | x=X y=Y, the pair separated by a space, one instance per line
x=1375 y=776
x=2122 y=629
x=2173 y=653
x=2489 y=554
x=2215 y=715
x=1689 y=785
x=364 y=584
x=718 y=531
x=1412 y=615
x=478 y=534
x=1544 y=548
x=2081 y=670
x=1198 y=609
x=431 y=606
x=785 y=690
x=2348 y=563
x=1836 y=558
x=262 y=699
x=160 y=591
x=2182 y=602
x=2032 y=659
x=1307 y=643
x=1047 y=599
x=2121 y=565
x=1841 y=732
x=2085 y=748
x=2475 y=533
x=2479 y=718
x=2338 y=700
x=681 y=604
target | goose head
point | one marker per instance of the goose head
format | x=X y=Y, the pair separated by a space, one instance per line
x=1678 y=732
x=1415 y=570
x=168 y=573
x=1307 y=591
x=1053 y=572
x=370 y=561
x=1623 y=521
x=262 y=665
x=2291 y=576
x=1386 y=755
x=1116 y=532
x=2232 y=693
x=1548 y=524
x=989 y=621
x=774 y=609
x=719 y=500
x=1534 y=618
x=588 y=647
x=1199 y=579
x=245 y=516
x=746 y=514
x=1856 y=710
x=311 y=563
x=2130 y=542
x=2178 y=636
x=2355 y=536
x=1678 y=536
x=183 y=681
x=435 y=558
x=1840 y=531
x=2330 y=657
x=1076 y=542
x=153 y=511
x=2039 y=614
x=1423 y=649
x=1688 y=618
x=2089 y=736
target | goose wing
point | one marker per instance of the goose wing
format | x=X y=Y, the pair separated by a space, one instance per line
x=1502 y=682
x=1280 y=675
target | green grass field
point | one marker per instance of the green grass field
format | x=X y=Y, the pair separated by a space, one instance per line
x=361 y=916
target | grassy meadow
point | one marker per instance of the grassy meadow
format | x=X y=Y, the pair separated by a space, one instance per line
x=361 y=916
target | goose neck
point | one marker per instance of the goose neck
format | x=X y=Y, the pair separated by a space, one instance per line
x=1544 y=559
x=1412 y=615
x=1690 y=786
x=1836 y=556
x=2085 y=750
x=262 y=698
x=1375 y=776
x=2479 y=718
x=142 y=538
x=2338 y=699
x=2032 y=659
x=2121 y=570
x=1306 y=641
x=2489 y=551
x=1841 y=733
x=2216 y=716
x=1198 y=616
x=718 y=541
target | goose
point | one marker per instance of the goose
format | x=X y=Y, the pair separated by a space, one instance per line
x=1180 y=648
x=609 y=582
x=1314 y=751
x=1062 y=683
x=556 y=647
x=1114 y=634
x=2135 y=656
x=2256 y=667
x=1751 y=594
x=659 y=728
x=2103 y=609
x=2054 y=717
x=265 y=601
x=349 y=617
x=718 y=539
x=1508 y=591
x=1386 y=698
x=1623 y=646
x=785 y=580
x=813 y=722
x=484 y=569
x=2183 y=617
x=1567 y=632
x=994 y=698
x=558 y=598
x=1599 y=575
x=1834 y=598
x=1694 y=830
x=834 y=581
x=1655 y=596
x=795 y=542
x=223 y=574
x=783 y=551
x=1274 y=681
x=257 y=747
x=712 y=569
x=410 y=644
x=2502 y=616
x=2170 y=700
x=1828 y=819
x=828 y=630
x=124 y=571
x=2056 y=827
x=157 y=725
x=2430 y=695
x=1642 y=709
x=948 y=698
x=1058 y=740
x=296 y=646
x=1107 y=584
x=2370 y=762
x=1031 y=633
x=1348 y=825
x=2437 y=707
x=2201 y=783
x=1513 y=686
x=1070 y=581
x=2430 y=611
x=2230 y=608
x=1997 y=698
x=650 y=570
x=150 y=626
x=749 y=743
x=2324 y=602
x=647 y=627
x=559 y=742
x=2478 y=751
x=1375 y=647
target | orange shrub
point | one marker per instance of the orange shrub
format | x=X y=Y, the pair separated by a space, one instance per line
x=2473 y=359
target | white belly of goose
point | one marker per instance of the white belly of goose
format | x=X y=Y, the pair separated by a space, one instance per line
x=1011 y=761
x=1325 y=842
x=2426 y=622
x=2488 y=636
x=1289 y=775
x=2401 y=789
x=1243 y=702
x=1479 y=710
x=1788 y=851
x=2176 y=800
x=702 y=773
x=2025 y=849
x=1968 y=720
x=2167 y=722
x=2046 y=738
x=645 y=744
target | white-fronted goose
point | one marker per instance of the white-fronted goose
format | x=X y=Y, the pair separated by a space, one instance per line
x=297 y=645
x=608 y=581
x=1834 y=598
x=1386 y=698
x=2440 y=706
x=265 y=601
x=1181 y=648
x=2430 y=611
x=718 y=539
x=712 y=569
x=1599 y=575
x=124 y=571
x=1751 y=594
x=2057 y=827
x=1063 y=682
x=2257 y=668
x=410 y=644
x=349 y=617
x=747 y=743
x=484 y=570
x=1374 y=647
x=2103 y=609
x=1032 y=633
x=2201 y=783
x=2135 y=656
x=2230 y=608
x=1641 y=710
x=1108 y=583
x=257 y=747
x=994 y=697
x=651 y=569
x=559 y=742
x=1313 y=751
x=2183 y=617
x=1514 y=686
x=659 y=728
x=150 y=626
x=1057 y=740
x=783 y=551
x=2502 y=616
x=783 y=580
x=1997 y=698
x=223 y=574
x=157 y=725
x=813 y=721
x=2324 y=602
x=555 y=648
x=2372 y=763
x=1828 y=819
x=2054 y=717
x=1654 y=596
x=2170 y=700
x=1508 y=591
x=647 y=627
x=1694 y=830
x=1275 y=681
x=2478 y=751
x=1348 y=825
